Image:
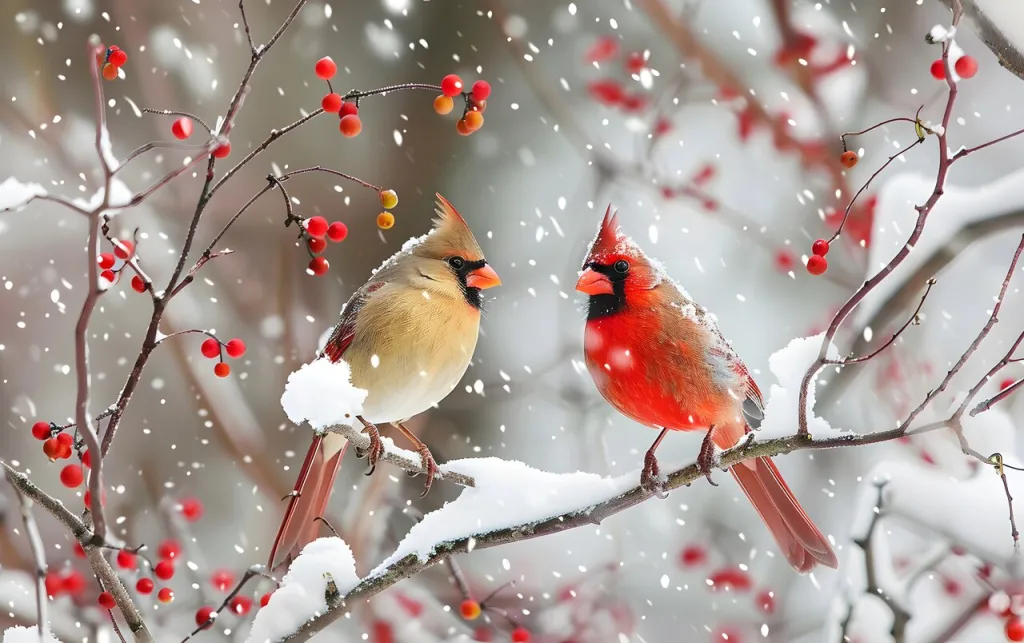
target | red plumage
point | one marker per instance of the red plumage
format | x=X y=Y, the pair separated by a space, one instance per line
x=658 y=357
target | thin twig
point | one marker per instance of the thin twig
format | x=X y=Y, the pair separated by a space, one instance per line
x=35 y=542
x=913 y=319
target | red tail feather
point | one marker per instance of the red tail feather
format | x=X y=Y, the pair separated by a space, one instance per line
x=309 y=498
x=794 y=532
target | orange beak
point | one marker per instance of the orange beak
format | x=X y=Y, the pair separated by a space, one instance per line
x=592 y=282
x=483 y=278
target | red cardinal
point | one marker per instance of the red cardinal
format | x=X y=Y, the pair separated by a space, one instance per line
x=658 y=357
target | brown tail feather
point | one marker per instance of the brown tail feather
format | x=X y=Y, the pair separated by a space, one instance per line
x=309 y=498
x=796 y=535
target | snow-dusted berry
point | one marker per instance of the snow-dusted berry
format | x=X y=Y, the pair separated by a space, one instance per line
x=337 y=231
x=451 y=85
x=350 y=125
x=817 y=265
x=388 y=199
x=203 y=615
x=319 y=266
x=41 y=430
x=849 y=158
x=109 y=276
x=385 y=220
x=72 y=476
x=443 y=104
x=938 y=70
x=210 y=348
x=164 y=570
x=182 y=128
x=966 y=66
x=106 y=601
x=481 y=90
x=331 y=103
x=165 y=595
x=820 y=247
x=144 y=585
x=325 y=68
x=316 y=246
x=470 y=609
x=105 y=260
x=222 y=150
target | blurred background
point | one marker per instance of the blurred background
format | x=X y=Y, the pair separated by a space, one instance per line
x=712 y=127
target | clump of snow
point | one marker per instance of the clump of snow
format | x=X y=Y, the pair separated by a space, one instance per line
x=302 y=594
x=19 y=634
x=507 y=493
x=322 y=394
x=789 y=365
x=14 y=193
x=120 y=196
x=895 y=218
x=406 y=250
x=941 y=33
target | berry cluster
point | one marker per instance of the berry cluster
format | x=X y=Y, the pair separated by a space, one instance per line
x=388 y=200
x=817 y=264
x=475 y=102
x=965 y=67
x=610 y=91
x=214 y=349
x=110 y=61
x=316 y=232
x=58 y=445
x=347 y=111
x=124 y=250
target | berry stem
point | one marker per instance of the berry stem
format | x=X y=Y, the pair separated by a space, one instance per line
x=356 y=94
x=171 y=112
x=152 y=145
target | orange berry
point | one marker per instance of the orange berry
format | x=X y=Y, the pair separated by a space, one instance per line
x=443 y=104
x=385 y=220
x=474 y=120
x=462 y=128
x=470 y=609
x=350 y=125
x=388 y=199
x=849 y=159
x=221 y=369
x=110 y=71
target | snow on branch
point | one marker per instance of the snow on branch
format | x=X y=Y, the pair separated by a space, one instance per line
x=18 y=634
x=321 y=393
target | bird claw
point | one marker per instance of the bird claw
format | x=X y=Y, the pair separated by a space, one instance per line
x=650 y=478
x=429 y=466
x=708 y=460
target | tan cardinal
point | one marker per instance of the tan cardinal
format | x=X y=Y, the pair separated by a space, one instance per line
x=408 y=335
x=659 y=358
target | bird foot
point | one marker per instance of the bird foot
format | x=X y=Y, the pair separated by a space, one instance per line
x=650 y=479
x=375 y=450
x=708 y=460
x=429 y=466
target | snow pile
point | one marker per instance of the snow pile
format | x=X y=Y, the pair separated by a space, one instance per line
x=20 y=634
x=507 y=493
x=789 y=365
x=895 y=218
x=120 y=196
x=301 y=595
x=322 y=393
x=14 y=193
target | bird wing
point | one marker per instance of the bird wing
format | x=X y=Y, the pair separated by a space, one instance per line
x=345 y=331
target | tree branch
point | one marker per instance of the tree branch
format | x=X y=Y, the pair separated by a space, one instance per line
x=35 y=542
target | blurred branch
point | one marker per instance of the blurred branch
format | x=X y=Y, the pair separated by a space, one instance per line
x=1011 y=58
x=35 y=542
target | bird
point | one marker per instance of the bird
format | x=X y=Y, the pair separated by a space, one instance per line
x=659 y=358
x=408 y=335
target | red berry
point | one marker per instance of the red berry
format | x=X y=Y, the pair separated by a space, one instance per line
x=325 y=68
x=203 y=615
x=182 y=128
x=105 y=260
x=337 y=231
x=241 y=605
x=54 y=584
x=316 y=227
x=693 y=555
x=235 y=348
x=382 y=632
x=820 y=247
x=451 y=85
x=109 y=276
x=41 y=430
x=138 y=285
x=470 y=609
x=766 y=601
x=938 y=70
x=79 y=550
x=1005 y=384
x=73 y=582
x=520 y=635
x=331 y=103
x=222 y=150
x=817 y=265
x=849 y=158
x=1015 y=629
x=126 y=560
x=118 y=57
x=348 y=107
x=222 y=580
x=481 y=90
x=192 y=509
x=144 y=585
x=221 y=369
x=350 y=125
x=165 y=595
x=87 y=459
x=106 y=601
x=316 y=246
x=71 y=476
x=966 y=66
x=210 y=348
x=635 y=62
x=164 y=570
x=732 y=578
x=784 y=260
x=65 y=439
x=264 y=599
x=169 y=549
x=319 y=266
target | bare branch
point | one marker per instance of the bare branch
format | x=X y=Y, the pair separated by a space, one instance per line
x=35 y=542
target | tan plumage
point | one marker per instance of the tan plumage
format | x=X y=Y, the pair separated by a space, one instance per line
x=408 y=335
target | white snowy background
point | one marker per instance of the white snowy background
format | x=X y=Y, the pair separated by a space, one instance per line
x=533 y=195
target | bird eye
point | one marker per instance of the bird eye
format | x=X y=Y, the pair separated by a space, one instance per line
x=456 y=262
x=621 y=266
